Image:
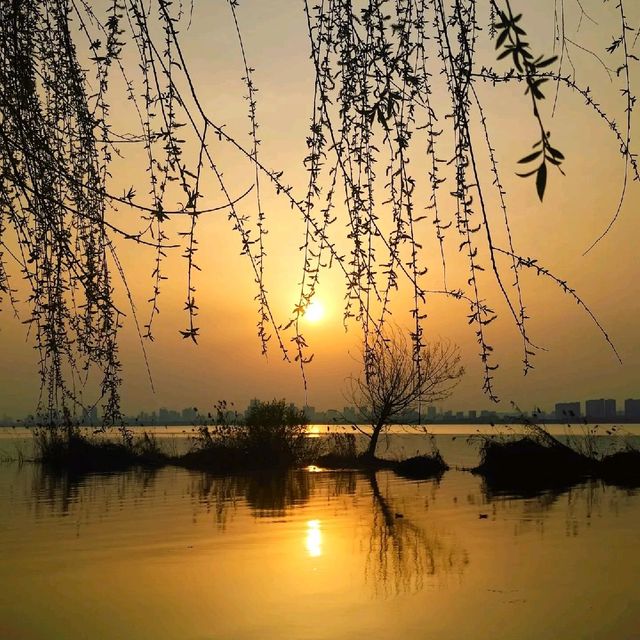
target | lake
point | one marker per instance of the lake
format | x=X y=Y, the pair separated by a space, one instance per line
x=313 y=554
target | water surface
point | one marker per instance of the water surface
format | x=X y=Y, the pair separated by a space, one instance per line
x=313 y=555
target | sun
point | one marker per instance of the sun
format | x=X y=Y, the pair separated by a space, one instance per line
x=314 y=312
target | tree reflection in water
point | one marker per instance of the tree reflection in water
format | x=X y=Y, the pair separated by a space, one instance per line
x=399 y=553
x=56 y=492
x=272 y=495
x=268 y=495
x=402 y=554
x=578 y=502
x=403 y=537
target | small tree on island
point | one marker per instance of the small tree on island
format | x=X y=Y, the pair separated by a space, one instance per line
x=393 y=381
x=274 y=433
x=269 y=435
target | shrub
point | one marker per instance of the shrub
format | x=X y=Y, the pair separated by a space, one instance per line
x=342 y=445
x=622 y=467
x=530 y=464
x=67 y=447
x=272 y=434
x=275 y=434
x=422 y=467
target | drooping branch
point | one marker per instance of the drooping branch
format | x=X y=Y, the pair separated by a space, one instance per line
x=395 y=81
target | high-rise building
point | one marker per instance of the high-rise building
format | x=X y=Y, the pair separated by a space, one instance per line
x=600 y=408
x=567 y=410
x=350 y=414
x=610 y=409
x=632 y=409
x=168 y=416
x=189 y=414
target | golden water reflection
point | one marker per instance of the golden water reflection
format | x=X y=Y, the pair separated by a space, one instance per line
x=313 y=541
x=320 y=555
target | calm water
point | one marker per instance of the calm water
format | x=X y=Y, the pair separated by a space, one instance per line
x=313 y=555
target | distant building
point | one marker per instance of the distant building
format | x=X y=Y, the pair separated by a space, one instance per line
x=567 y=410
x=350 y=414
x=168 y=416
x=632 y=409
x=473 y=414
x=145 y=418
x=597 y=409
x=432 y=412
x=189 y=414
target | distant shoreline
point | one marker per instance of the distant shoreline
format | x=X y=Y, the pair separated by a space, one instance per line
x=500 y=422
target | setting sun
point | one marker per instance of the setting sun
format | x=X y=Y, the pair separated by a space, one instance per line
x=314 y=312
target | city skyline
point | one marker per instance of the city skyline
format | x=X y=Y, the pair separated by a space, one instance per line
x=604 y=409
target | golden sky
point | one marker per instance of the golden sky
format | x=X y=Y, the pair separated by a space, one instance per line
x=227 y=364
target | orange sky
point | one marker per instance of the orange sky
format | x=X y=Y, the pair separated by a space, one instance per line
x=227 y=364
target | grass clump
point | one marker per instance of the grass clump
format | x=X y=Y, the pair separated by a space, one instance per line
x=622 y=467
x=271 y=435
x=613 y=463
x=340 y=452
x=422 y=467
x=539 y=461
x=67 y=447
x=536 y=461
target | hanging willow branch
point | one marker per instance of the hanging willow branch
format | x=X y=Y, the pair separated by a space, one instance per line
x=394 y=80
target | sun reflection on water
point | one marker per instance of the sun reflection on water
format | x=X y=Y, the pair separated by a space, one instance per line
x=313 y=541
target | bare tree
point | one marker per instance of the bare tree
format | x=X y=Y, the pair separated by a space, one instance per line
x=394 y=381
